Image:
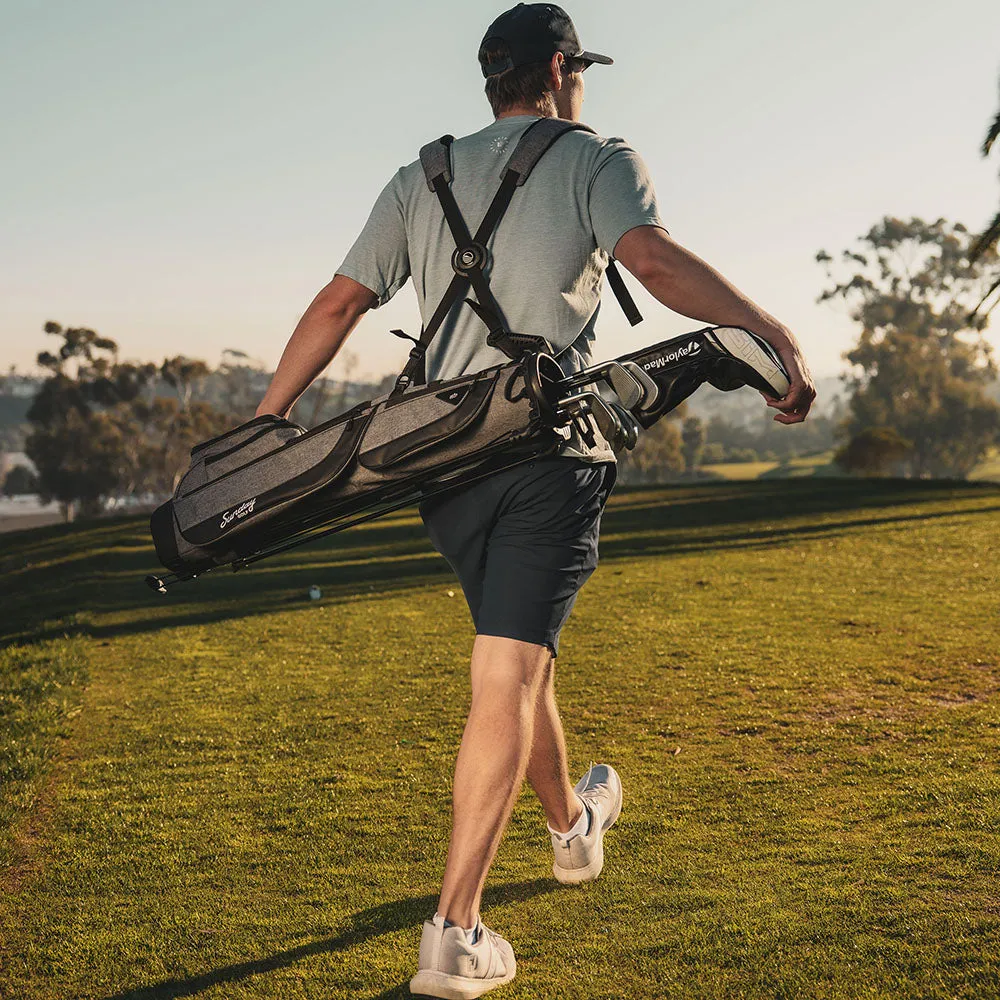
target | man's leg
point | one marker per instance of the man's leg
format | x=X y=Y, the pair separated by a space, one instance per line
x=548 y=769
x=492 y=760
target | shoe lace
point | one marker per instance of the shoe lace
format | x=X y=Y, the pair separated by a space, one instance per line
x=495 y=940
x=592 y=791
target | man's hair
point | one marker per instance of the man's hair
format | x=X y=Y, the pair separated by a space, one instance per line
x=523 y=86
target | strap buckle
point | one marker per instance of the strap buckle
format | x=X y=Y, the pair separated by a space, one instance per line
x=470 y=257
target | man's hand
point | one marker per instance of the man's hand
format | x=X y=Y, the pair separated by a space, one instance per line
x=796 y=403
x=689 y=286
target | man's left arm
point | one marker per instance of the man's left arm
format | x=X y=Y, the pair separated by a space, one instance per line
x=317 y=338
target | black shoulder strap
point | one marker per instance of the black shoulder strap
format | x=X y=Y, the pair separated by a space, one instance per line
x=471 y=255
x=622 y=294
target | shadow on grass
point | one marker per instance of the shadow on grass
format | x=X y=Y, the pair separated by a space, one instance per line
x=53 y=576
x=386 y=918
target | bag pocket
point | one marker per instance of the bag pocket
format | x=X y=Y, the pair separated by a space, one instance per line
x=401 y=430
x=244 y=497
x=244 y=444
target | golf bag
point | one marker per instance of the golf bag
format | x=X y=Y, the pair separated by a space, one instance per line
x=271 y=484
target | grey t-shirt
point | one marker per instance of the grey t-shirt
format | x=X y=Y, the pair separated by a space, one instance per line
x=547 y=256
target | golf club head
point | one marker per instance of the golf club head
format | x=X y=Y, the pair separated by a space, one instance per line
x=605 y=417
x=630 y=429
x=590 y=404
x=629 y=390
x=650 y=390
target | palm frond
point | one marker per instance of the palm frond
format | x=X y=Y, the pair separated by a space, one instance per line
x=988 y=239
x=991 y=135
x=993 y=288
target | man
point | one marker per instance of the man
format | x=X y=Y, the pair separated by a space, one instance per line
x=523 y=541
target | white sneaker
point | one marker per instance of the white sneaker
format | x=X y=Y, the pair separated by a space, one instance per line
x=581 y=858
x=450 y=967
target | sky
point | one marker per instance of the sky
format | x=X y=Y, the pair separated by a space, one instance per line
x=184 y=177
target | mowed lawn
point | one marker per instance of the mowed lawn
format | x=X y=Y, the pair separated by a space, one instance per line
x=233 y=792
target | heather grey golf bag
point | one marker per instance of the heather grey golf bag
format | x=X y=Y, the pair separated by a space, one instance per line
x=270 y=479
x=270 y=484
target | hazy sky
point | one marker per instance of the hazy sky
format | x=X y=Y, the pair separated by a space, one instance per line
x=184 y=177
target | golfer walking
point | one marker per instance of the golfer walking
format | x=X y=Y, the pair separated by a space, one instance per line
x=523 y=541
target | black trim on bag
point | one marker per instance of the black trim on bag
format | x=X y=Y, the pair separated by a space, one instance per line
x=421 y=438
x=243 y=444
x=162 y=528
x=264 y=418
x=445 y=383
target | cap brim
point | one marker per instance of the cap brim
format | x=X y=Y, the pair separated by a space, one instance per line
x=594 y=57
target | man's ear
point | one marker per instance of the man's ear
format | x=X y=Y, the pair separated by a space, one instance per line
x=556 y=69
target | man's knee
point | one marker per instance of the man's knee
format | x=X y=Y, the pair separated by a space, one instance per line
x=499 y=662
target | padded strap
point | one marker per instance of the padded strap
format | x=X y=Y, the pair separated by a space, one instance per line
x=435 y=158
x=536 y=141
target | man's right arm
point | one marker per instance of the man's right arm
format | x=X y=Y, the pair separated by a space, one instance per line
x=689 y=286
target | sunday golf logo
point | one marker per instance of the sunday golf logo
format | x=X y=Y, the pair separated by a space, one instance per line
x=684 y=351
x=238 y=513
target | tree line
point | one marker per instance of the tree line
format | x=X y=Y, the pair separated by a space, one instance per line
x=103 y=428
x=921 y=389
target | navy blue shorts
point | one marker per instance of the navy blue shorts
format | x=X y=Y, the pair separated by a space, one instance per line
x=523 y=542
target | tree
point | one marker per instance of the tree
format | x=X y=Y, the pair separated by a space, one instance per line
x=99 y=430
x=693 y=440
x=77 y=458
x=873 y=451
x=989 y=238
x=658 y=455
x=713 y=453
x=338 y=403
x=183 y=375
x=20 y=481
x=921 y=362
x=73 y=450
x=243 y=384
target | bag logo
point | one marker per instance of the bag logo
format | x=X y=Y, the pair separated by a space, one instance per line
x=692 y=347
x=454 y=396
x=238 y=513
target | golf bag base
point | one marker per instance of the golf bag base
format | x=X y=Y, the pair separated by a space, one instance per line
x=270 y=484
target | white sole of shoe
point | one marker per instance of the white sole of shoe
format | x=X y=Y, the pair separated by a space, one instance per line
x=440 y=984
x=574 y=876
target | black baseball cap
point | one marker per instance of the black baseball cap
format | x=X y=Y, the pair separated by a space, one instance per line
x=535 y=32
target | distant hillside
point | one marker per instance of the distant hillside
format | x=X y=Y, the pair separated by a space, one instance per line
x=743 y=405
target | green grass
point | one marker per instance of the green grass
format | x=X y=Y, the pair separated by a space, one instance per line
x=739 y=470
x=247 y=794
x=820 y=465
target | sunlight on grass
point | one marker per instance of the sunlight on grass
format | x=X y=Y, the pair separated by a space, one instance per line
x=234 y=792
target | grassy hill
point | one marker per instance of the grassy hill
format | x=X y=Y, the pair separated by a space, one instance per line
x=234 y=792
x=822 y=465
